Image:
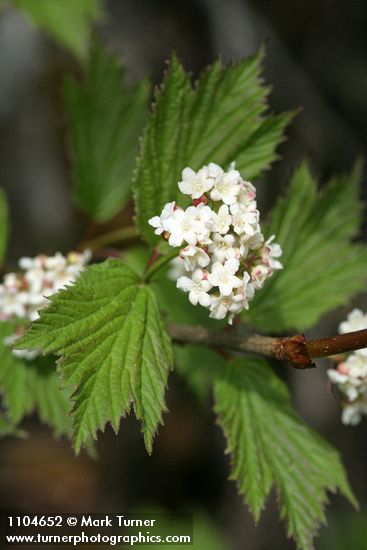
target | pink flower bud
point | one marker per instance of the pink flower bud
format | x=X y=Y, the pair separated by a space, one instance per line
x=342 y=368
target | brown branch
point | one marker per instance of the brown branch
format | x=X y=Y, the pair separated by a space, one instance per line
x=342 y=343
x=295 y=349
x=200 y=335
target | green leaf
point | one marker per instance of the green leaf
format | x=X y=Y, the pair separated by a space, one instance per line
x=6 y=426
x=198 y=365
x=346 y=529
x=221 y=119
x=51 y=402
x=323 y=268
x=174 y=304
x=105 y=120
x=271 y=446
x=31 y=386
x=114 y=347
x=16 y=398
x=68 y=21
x=156 y=175
x=260 y=150
x=4 y=225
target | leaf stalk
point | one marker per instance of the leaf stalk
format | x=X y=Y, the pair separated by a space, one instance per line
x=157 y=262
x=129 y=233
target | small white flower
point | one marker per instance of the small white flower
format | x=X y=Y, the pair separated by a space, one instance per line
x=159 y=222
x=28 y=354
x=222 y=220
x=42 y=271
x=56 y=262
x=350 y=377
x=225 y=241
x=190 y=225
x=34 y=279
x=193 y=257
x=227 y=187
x=64 y=278
x=182 y=227
x=214 y=170
x=176 y=269
x=255 y=241
x=247 y=193
x=222 y=305
x=24 y=294
x=195 y=183
x=198 y=287
x=36 y=299
x=351 y=387
x=204 y=217
x=224 y=247
x=12 y=282
x=245 y=219
x=356 y=320
x=21 y=353
x=246 y=291
x=336 y=377
x=223 y=276
x=356 y=365
x=272 y=251
x=12 y=304
x=219 y=306
x=29 y=263
x=245 y=207
x=259 y=274
x=232 y=265
x=352 y=414
x=80 y=258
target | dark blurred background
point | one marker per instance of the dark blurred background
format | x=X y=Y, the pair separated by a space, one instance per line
x=317 y=60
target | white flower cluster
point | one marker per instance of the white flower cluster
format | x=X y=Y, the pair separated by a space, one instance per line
x=350 y=375
x=23 y=294
x=224 y=257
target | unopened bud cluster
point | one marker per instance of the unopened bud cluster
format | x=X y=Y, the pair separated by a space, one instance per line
x=224 y=258
x=23 y=294
x=350 y=374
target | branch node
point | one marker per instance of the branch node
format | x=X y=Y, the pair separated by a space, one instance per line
x=294 y=350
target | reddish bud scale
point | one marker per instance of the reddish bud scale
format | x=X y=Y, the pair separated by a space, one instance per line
x=294 y=349
x=200 y=200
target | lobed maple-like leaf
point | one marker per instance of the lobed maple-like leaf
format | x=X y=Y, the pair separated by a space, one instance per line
x=114 y=349
x=270 y=446
x=221 y=119
x=323 y=266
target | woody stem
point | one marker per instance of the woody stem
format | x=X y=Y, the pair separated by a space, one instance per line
x=296 y=349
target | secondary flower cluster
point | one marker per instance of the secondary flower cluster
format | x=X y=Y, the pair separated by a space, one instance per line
x=23 y=294
x=224 y=257
x=350 y=374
